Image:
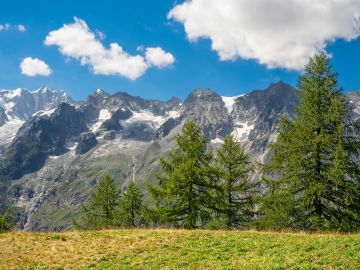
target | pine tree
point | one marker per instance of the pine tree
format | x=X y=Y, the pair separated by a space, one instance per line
x=99 y=210
x=237 y=192
x=182 y=193
x=315 y=167
x=6 y=222
x=131 y=207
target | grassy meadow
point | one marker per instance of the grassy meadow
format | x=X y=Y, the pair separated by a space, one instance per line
x=178 y=249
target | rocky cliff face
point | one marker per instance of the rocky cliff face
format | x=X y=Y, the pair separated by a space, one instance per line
x=43 y=135
x=354 y=99
x=57 y=156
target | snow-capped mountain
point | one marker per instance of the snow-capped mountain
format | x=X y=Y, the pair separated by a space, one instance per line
x=19 y=105
x=60 y=152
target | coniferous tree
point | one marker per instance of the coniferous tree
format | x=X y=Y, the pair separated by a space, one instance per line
x=315 y=170
x=131 y=208
x=99 y=210
x=237 y=193
x=6 y=222
x=182 y=193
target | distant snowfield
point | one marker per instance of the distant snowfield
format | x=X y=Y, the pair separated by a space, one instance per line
x=230 y=101
x=144 y=116
x=242 y=131
x=12 y=93
x=9 y=130
x=42 y=113
x=104 y=115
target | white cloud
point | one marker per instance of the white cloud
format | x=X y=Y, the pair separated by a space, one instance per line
x=100 y=35
x=21 y=27
x=78 y=41
x=8 y=26
x=158 y=57
x=277 y=33
x=34 y=67
x=5 y=26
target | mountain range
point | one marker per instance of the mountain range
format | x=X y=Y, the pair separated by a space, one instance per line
x=53 y=150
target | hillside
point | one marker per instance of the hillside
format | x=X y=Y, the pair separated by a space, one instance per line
x=178 y=249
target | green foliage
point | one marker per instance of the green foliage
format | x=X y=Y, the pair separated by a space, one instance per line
x=99 y=210
x=6 y=222
x=183 y=191
x=313 y=178
x=130 y=210
x=237 y=195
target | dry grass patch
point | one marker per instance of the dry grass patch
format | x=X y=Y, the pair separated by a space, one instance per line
x=178 y=249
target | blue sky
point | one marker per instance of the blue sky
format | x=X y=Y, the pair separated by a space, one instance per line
x=230 y=68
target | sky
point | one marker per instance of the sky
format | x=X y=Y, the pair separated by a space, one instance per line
x=163 y=48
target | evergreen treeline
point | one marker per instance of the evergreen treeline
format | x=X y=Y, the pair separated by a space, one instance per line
x=108 y=207
x=311 y=183
x=6 y=222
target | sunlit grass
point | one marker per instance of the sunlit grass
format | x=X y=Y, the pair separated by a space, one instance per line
x=178 y=249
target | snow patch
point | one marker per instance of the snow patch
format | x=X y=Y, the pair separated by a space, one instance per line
x=71 y=145
x=104 y=114
x=9 y=129
x=42 y=113
x=174 y=114
x=13 y=93
x=217 y=141
x=230 y=101
x=242 y=130
x=8 y=106
x=148 y=117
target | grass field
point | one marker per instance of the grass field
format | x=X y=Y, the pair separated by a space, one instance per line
x=178 y=249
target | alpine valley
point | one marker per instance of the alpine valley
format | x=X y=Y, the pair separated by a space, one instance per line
x=53 y=150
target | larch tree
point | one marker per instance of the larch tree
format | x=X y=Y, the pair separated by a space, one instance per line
x=182 y=193
x=99 y=209
x=130 y=210
x=237 y=194
x=314 y=173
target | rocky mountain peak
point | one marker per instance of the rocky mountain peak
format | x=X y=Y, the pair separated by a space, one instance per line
x=100 y=93
x=199 y=94
x=42 y=89
x=174 y=101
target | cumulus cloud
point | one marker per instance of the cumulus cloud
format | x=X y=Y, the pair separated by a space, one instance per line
x=8 y=26
x=77 y=40
x=276 y=33
x=158 y=57
x=5 y=26
x=21 y=27
x=100 y=35
x=34 y=67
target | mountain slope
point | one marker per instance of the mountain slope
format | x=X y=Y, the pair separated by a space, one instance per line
x=57 y=157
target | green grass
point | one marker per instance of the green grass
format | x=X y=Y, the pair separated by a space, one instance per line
x=178 y=249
